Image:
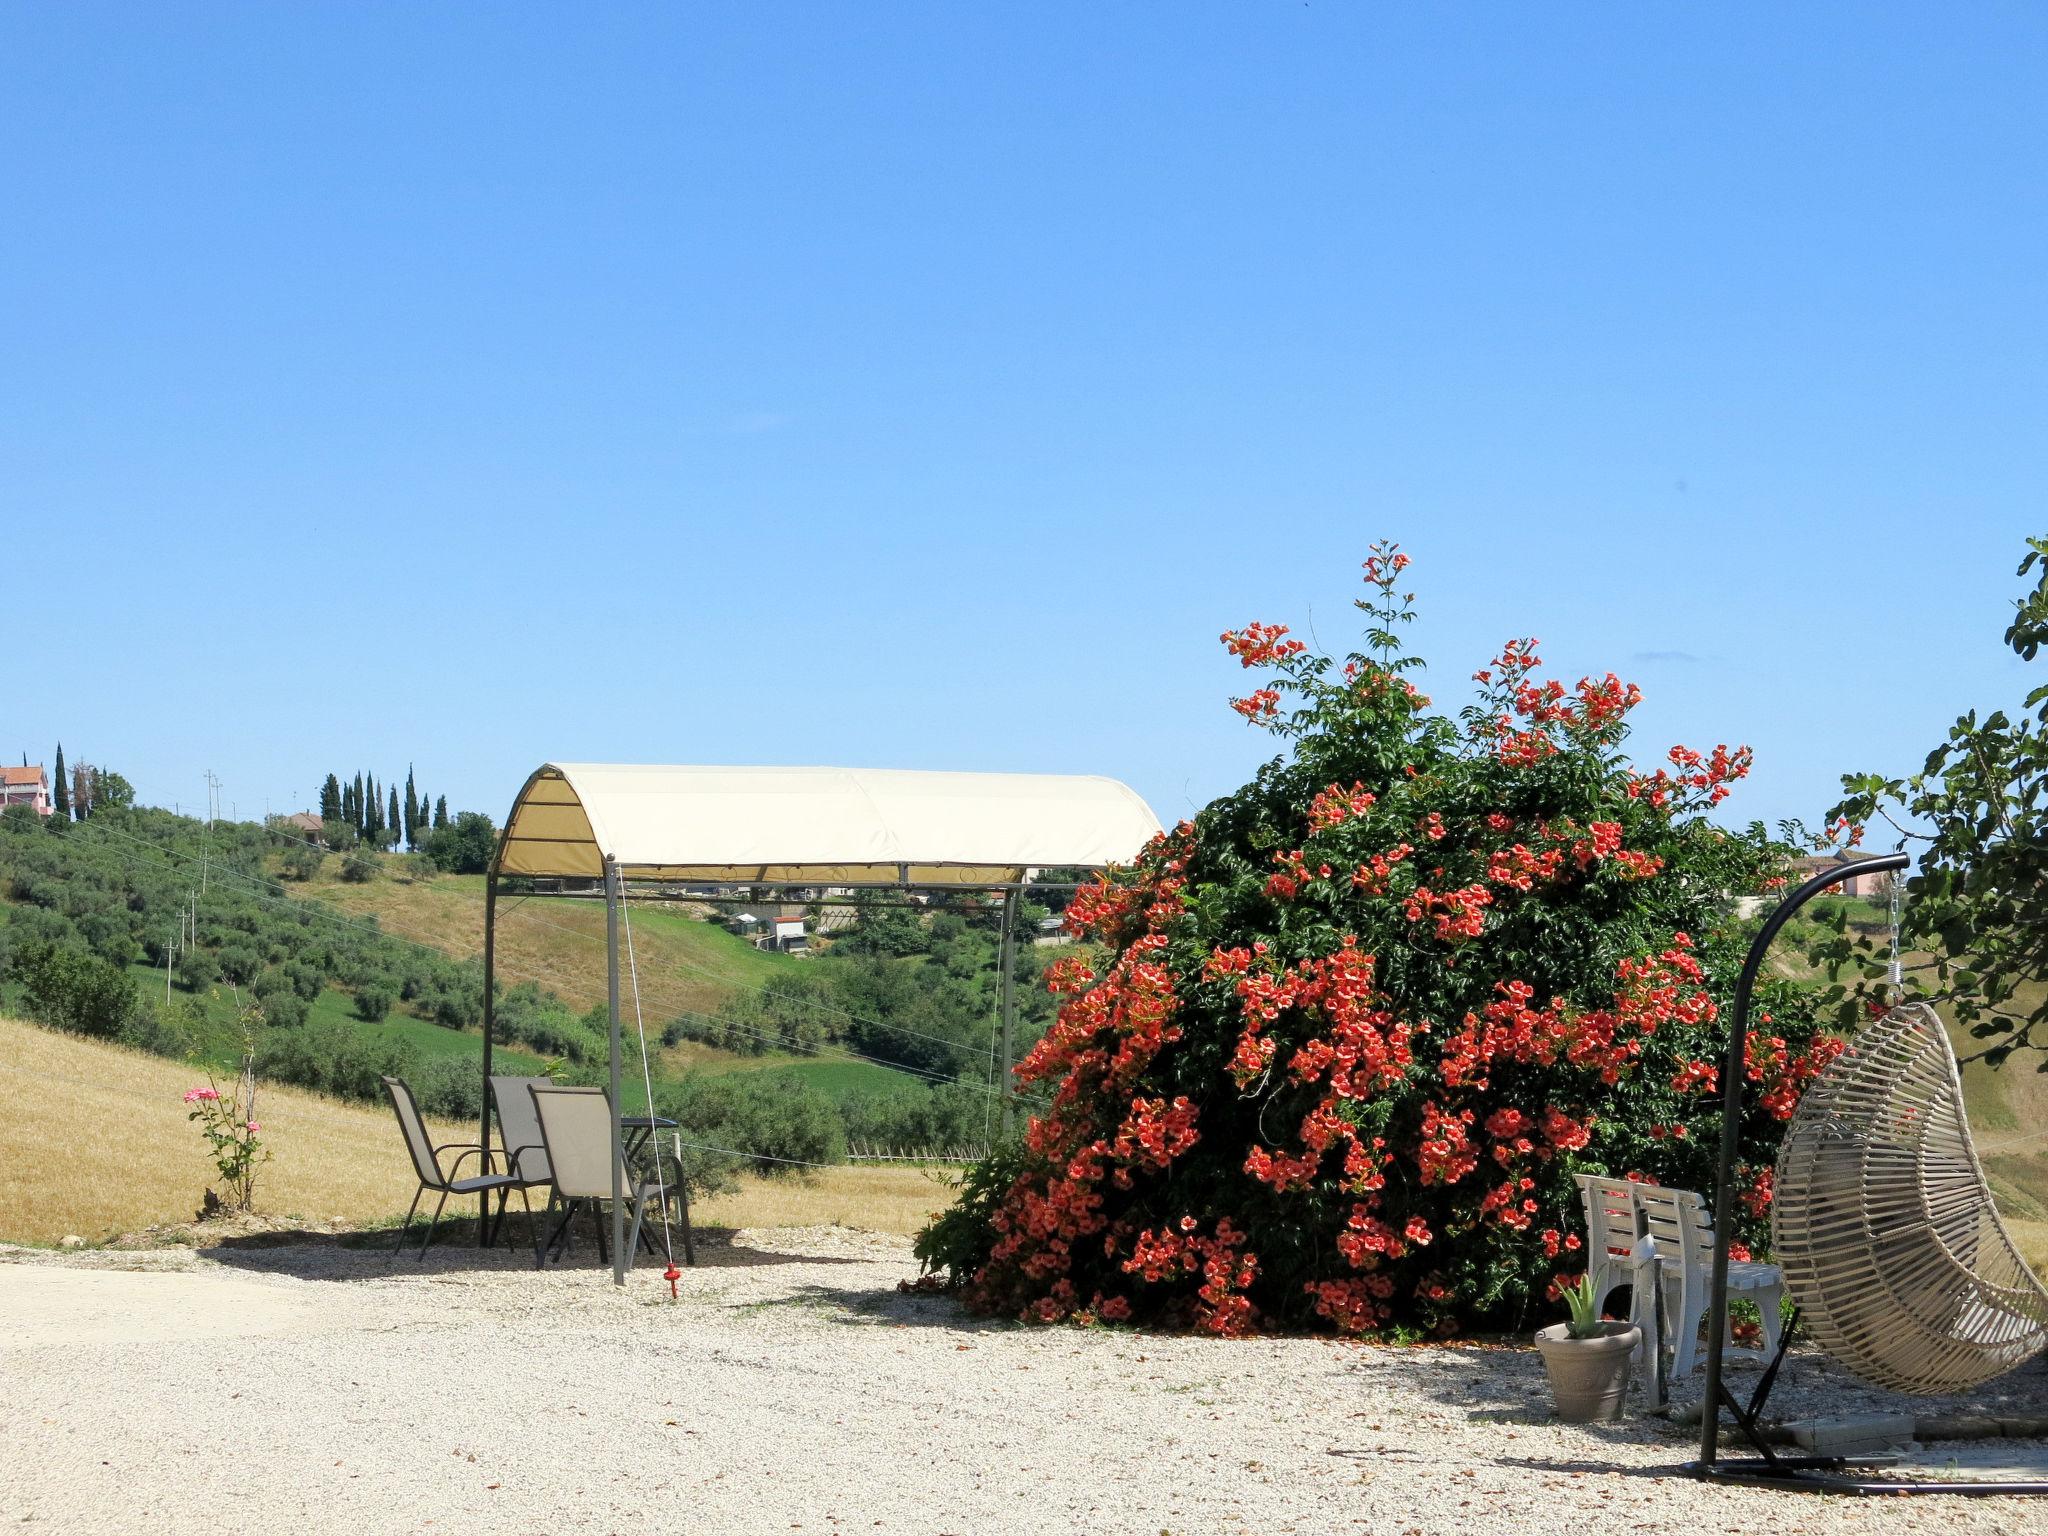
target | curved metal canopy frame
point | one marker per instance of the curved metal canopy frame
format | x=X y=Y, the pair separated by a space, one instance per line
x=843 y=827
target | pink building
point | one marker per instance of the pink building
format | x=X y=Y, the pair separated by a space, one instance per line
x=1856 y=885
x=25 y=786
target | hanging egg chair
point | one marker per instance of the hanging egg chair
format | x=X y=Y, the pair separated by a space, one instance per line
x=1885 y=1228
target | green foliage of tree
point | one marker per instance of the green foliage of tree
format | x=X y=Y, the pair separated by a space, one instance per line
x=883 y=925
x=1976 y=903
x=441 y=811
x=61 y=789
x=465 y=847
x=330 y=801
x=111 y=792
x=72 y=989
x=300 y=861
x=373 y=1003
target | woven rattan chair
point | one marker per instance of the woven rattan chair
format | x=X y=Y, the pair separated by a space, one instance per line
x=1885 y=1227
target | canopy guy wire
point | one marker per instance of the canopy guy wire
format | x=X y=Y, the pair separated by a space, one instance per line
x=647 y=1084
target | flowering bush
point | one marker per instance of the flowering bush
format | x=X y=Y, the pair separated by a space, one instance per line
x=225 y=1121
x=1363 y=1020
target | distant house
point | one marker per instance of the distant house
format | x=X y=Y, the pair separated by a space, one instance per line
x=1856 y=885
x=305 y=824
x=772 y=927
x=26 y=786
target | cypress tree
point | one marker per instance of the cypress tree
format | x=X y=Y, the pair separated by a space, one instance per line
x=63 y=796
x=391 y=828
x=356 y=815
x=330 y=800
x=441 y=812
x=412 y=810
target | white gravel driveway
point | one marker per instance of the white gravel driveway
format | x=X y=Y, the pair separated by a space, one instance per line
x=313 y=1389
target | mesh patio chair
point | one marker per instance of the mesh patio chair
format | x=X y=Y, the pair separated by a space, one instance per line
x=426 y=1162
x=576 y=1131
x=526 y=1155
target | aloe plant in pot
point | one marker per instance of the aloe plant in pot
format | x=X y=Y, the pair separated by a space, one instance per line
x=1587 y=1358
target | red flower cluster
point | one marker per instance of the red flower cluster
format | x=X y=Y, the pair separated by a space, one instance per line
x=1261 y=645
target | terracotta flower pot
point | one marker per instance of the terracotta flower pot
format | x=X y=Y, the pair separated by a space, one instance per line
x=1588 y=1377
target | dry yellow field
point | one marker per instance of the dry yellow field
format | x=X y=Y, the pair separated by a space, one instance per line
x=874 y=1199
x=94 y=1142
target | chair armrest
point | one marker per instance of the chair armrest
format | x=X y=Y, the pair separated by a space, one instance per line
x=513 y=1157
x=468 y=1151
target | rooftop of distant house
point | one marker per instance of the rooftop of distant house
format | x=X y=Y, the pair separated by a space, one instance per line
x=31 y=774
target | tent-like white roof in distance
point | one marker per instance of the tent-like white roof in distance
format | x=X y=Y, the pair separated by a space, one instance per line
x=816 y=826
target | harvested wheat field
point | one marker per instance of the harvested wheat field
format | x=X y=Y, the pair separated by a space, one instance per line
x=95 y=1142
x=317 y=1388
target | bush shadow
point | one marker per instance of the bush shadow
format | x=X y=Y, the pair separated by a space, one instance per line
x=373 y=1254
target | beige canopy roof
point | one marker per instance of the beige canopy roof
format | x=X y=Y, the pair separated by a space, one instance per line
x=816 y=826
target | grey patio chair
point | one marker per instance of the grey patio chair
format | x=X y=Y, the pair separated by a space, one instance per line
x=576 y=1131
x=526 y=1155
x=426 y=1162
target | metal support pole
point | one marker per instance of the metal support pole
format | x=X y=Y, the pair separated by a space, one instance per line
x=1733 y=1066
x=611 y=935
x=1009 y=1004
x=483 y=1129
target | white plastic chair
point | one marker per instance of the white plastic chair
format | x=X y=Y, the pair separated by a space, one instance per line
x=1612 y=1227
x=1677 y=1221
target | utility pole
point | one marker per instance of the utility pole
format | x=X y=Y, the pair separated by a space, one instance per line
x=206 y=843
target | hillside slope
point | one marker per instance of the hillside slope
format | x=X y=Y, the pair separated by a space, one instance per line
x=95 y=1142
x=684 y=964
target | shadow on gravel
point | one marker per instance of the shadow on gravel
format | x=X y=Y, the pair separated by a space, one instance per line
x=369 y=1255
x=890 y=1308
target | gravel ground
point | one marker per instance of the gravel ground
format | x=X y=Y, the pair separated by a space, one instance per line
x=313 y=1388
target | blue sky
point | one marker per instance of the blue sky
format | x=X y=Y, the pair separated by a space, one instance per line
x=929 y=385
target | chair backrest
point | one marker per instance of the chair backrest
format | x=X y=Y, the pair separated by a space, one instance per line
x=417 y=1142
x=1678 y=1224
x=1611 y=1225
x=526 y=1155
x=576 y=1129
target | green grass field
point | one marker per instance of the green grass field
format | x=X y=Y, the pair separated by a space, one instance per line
x=685 y=964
